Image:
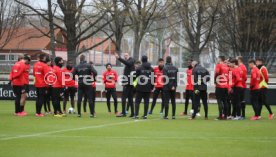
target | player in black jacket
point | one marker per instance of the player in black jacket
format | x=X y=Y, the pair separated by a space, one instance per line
x=201 y=77
x=145 y=78
x=127 y=84
x=170 y=85
x=86 y=76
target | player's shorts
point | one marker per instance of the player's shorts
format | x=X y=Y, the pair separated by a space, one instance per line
x=25 y=89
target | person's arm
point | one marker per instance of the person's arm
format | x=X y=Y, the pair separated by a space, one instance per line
x=217 y=71
x=94 y=71
x=207 y=75
x=128 y=63
x=265 y=74
x=74 y=72
x=20 y=70
x=104 y=77
x=176 y=79
x=195 y=80
x=253 y=80
x=116 y=76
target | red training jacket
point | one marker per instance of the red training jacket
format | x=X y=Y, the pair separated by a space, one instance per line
x=110 y=78
x=255 y=79
x=26 y=74
x=158 y=82
x=243 y=74
x=222 y=73
x=69 y=80
x=264 y=72
x=40 y=70
x=58 y=80
x=17 y=74
x=237 y=77
x=189 y=85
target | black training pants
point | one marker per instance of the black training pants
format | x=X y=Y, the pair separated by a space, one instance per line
x=86 y=90
x=17 y=90
x=56 y=98
x=255 y=101
x=167 y=96
x=222 y=95
x=127 y=94
x=40 y=92
x=139 y=96
x=262 y=101
x=203 y=96
x=189 y=94
x=111 y=92
x=156 y=93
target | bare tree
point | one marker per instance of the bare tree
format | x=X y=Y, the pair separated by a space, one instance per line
x=198 y=18
x=142 y=14
x=118 y=12
x=11 y=19
x=247 y=28
x=78 y=21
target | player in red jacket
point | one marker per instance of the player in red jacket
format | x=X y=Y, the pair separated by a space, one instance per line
x=70 y=87
x=41 y=76
x=222 y=84
x=26 y=74
x=255 y=89
x=17 y=78
x=189 y=94
x=244 y=79
x=158 y=84
x=237 y=87
x=58 y=87
x=48 y=95
x=110 y=78
x=263 y=87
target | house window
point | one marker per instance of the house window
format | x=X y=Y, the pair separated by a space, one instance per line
x=2 y=57
x=12 y=57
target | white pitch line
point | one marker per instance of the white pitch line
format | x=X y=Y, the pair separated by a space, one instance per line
x=74 y=129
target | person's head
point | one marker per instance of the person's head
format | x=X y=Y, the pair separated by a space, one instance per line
x=221 y=59
x=59 y=61
x=82 y=58
x=169 y=59
x=91 y=63
x=48 y=61
x=233 y=63
x=190 y=64
x=137 y=64
x=42 y=57
x=194 y=63
x=161 y=62
x=126 y=56
x=108 y=66
x=144 y=59
x=69 y=66
x=252 y=63
x=27 y=59
x=20 y=57
x=240 y=60
x=259 y=62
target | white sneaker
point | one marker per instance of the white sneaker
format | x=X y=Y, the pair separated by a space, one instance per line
x=198 y=115
x=237 y=118
x=229 y=117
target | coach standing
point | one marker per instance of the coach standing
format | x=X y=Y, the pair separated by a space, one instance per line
x=201 y=77
x=127 y=83
x=86 y=76
x=170 y=85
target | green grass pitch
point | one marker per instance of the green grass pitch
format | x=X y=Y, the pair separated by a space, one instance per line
x=108 y=136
